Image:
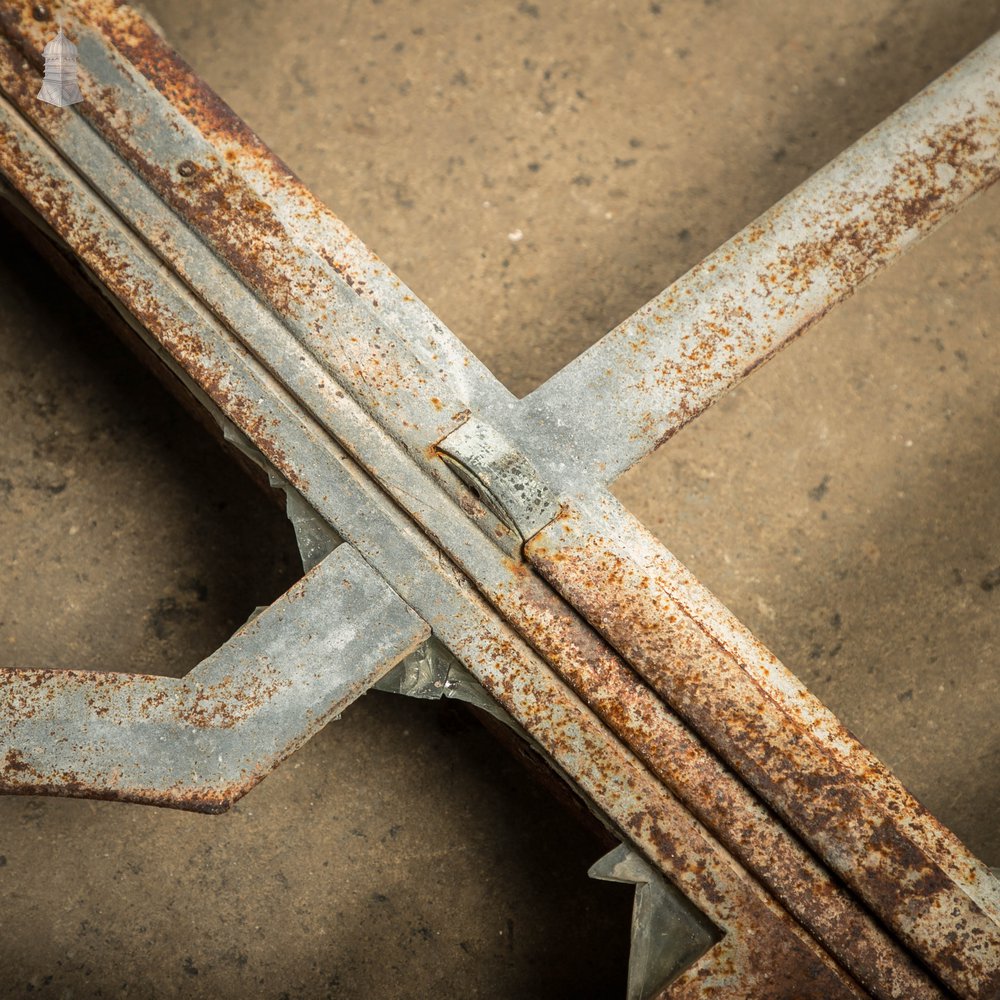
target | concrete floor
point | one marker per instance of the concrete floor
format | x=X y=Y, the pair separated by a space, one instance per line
x=534 y=171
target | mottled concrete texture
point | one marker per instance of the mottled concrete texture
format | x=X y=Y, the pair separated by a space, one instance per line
x=534 y=171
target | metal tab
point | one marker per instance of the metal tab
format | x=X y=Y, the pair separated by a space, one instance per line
x=503 y=477
x=667 y=934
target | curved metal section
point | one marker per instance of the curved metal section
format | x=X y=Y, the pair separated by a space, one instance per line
x=500 y=474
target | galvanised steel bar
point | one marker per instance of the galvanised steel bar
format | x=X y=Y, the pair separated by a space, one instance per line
x=202 y=741
x=676 y=355
x=267 y=235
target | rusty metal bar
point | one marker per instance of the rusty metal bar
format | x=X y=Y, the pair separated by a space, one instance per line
x=698 y=338
x=286 y=328
x=204 y=740
x=738 y=696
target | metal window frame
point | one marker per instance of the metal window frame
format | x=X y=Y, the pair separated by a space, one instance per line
x=486 y=520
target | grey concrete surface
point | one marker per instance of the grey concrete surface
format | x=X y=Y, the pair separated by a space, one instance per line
x=534 y=171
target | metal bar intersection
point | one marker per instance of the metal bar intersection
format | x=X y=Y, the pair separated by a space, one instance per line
x=807 y=869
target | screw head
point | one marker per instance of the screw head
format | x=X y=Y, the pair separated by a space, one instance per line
x=187 y=169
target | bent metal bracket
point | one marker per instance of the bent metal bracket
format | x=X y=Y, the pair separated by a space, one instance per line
x=451 y=523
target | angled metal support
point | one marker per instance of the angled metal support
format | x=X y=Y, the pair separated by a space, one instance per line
x=204 y=740
x=698 y=338
x=807 y=869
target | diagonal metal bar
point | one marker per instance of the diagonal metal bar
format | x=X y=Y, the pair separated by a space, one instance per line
x=841 y=800
x=697 y=339
x=202 y=741
x=354 y=323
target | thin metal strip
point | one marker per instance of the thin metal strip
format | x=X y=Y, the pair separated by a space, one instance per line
x=202 y=741
x=364 y=327
x=681 y=351
x=259 y=329
x=219 y=217
x=404 y=317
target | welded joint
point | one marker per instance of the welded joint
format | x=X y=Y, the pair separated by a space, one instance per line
x=500 y=474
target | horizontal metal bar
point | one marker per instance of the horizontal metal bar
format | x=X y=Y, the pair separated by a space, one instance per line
x=681 y=351
x=202 y=741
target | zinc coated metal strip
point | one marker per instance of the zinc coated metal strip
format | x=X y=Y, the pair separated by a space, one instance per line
x=665 y=364
x=403 y=317
x=263 y=332
x=202 y=741
x=760 y=939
